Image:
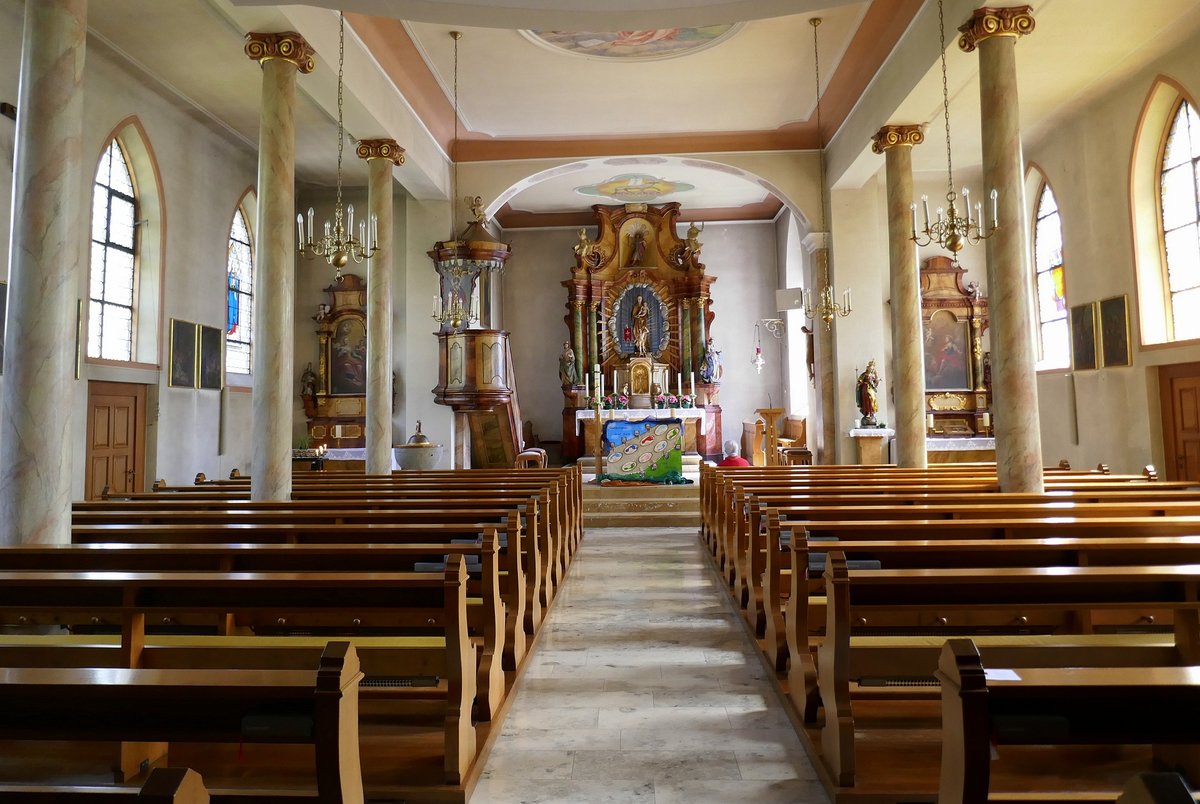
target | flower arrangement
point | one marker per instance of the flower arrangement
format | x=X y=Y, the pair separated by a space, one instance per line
x=686 y=400
x=622 y=402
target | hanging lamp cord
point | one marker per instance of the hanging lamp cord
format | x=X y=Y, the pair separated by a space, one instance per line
x=815 y=22
x=950 y=194
x=341 y=128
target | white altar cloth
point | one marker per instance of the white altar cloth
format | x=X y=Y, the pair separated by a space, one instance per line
x=641 y=414
x=359 y=454
x=957 y=444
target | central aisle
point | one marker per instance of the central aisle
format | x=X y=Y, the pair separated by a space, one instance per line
x=645 y=688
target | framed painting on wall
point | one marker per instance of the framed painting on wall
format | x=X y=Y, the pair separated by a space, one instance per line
x=212 y=360
x=1083 y=337
x=946 y=350
x=183 y=355
x=1114 y=332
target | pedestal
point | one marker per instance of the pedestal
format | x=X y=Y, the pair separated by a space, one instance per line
x=770 y=417
x=872 y=443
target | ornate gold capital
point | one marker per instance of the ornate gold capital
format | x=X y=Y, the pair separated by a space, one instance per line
x=987 y=22
x=577 y=304
x=893 y=136
x=387 y=149
x=286 y=45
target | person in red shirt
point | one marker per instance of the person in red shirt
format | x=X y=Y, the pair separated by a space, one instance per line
x=731 y=457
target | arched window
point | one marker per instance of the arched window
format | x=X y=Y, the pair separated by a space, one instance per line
x=113 y=275
x=1054 y=338
x=239 y=306
x=1180 y=205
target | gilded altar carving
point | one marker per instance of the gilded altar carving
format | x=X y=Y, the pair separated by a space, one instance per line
x=286 y=45
x=947 y=401
x=895 y=136
x=987 y=22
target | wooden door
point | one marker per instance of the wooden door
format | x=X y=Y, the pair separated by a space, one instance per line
x=1179 y=387
x=116 y=438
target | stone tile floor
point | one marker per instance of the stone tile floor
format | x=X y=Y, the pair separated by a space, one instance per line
x=645 y=688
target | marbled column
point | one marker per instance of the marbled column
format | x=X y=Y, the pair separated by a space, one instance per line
x=685 y=339
x=593 y=335
x=701 y=334
x=44 y=265
x=1014 y=377
x=381 y=155
x=281 y=55
x=816 y=244
x=577 y=339
x=908 y=366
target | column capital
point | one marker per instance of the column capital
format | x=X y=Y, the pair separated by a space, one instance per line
x=385 y=148
x=987 y=22
x=286 y=45
x=815 y=241
x=892 y=136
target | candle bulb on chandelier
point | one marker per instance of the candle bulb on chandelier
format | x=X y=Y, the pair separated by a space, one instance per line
x=374 y=232
x=966 y=194
x=299 y=231
x=995 y=209
x=979 y=213
x=310 y=225
x=925 y=203
x=913 y=208
x=846 y=297
x=362 y=232
x=350 y=219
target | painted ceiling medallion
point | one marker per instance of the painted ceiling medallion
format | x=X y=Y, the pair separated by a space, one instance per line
x=635 y=188
x=663 y=43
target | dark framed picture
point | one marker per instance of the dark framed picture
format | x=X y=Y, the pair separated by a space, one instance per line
x=212 y=358
x=1114 y=332
x=183 y=355
x=946 y=348
x=1083 y=337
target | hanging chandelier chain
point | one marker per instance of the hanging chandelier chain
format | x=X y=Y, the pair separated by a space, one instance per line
x=816 y=21
x=945 y=103
x=456 y=35
x=341 y=127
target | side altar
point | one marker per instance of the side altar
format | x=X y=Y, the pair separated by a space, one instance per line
x=638 y=318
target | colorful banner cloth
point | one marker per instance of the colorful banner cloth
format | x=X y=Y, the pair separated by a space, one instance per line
x=649 y=451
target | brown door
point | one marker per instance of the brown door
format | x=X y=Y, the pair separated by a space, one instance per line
x=116 y=438
x=1179 y=387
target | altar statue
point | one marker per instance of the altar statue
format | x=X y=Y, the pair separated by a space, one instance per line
x=637 y=249
x=711 y=369
x=567 y=370
x=641 y=326
x=866 y=394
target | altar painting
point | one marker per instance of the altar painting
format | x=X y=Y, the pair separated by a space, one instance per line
x=946 y=363
x=649 y=451
x=349 y=359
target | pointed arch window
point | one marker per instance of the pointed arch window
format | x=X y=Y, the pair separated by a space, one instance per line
x=1180 y=205
x=239 y=304
x=113 y=271
x=1054 y=337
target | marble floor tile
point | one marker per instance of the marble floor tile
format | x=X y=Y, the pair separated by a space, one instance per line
x=644 y=687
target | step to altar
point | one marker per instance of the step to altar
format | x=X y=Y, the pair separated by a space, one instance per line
x=641 y=506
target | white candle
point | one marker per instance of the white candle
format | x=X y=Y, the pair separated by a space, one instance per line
x=436 y=305
x=929 y=421
x=362 y=233
x=350 y=219
x=692 y=381
x=679 y=383
x=925 y=203
x=310 y=223
x=913 y=208
x=987 y=420
x=966 y=194
x=616 y=388
x=847 y=294
x=374 y=231
x=586 y=387
x=995 y=208
x=601 y=385
x=299 y=231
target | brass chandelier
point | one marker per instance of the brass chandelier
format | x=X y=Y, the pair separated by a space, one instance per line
x=825 y=308
x=338 y=246
x=949 y=229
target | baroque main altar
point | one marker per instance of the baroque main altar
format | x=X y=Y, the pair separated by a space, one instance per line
x=638 y=317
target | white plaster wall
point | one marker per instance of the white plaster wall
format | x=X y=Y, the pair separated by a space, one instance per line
x=1086 y=159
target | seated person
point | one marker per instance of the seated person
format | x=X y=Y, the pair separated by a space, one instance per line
x=731 y=457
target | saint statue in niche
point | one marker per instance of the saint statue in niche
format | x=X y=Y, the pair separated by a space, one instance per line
x=641 y=326
x=637 y=248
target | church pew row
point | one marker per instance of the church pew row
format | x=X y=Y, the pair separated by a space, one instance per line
x=757 y=555
x=486 y=621
x=281 y=523
x=988 y=596
x=431 y=607
x=162 y=786
x=551 y=533
x=155 y=707
x=988 y=705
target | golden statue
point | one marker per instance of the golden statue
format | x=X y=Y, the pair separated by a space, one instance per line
x=693 y=238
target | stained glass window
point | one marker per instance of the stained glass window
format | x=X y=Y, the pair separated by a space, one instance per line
x=1054 y=336
x=1180 y=199
x=113 y=276
x=239 y=304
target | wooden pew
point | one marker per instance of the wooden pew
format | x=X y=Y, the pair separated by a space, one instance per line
x=1052 y=706
x=423 y=603
x=996 y=597
x=156 y=706
x=163 y=786
x=491 y=642
x=274 y=523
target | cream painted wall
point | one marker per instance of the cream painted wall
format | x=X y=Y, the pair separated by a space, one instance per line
x=1086 y=160
x=742 y=257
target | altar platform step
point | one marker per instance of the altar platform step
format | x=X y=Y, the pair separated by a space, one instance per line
x=641 y=506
